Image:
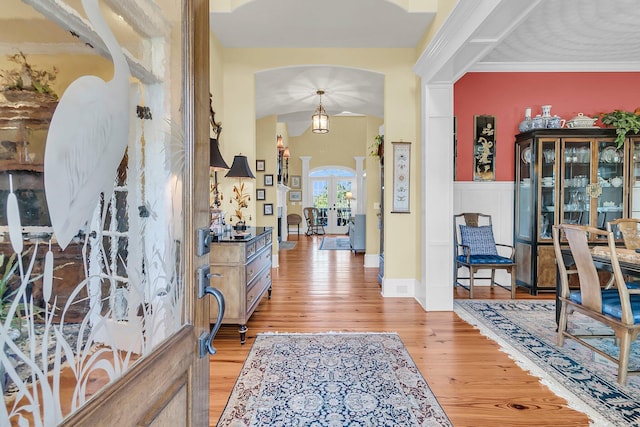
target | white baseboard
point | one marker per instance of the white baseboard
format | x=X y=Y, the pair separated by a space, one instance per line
x=399 y=287
x=371 y=260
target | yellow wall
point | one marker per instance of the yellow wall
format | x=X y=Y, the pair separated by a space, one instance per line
x=266 y=133
x=443 y=10
x=401 y=122
x=69 y=67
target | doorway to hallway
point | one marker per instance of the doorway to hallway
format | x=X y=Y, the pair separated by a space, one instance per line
x=329 y=186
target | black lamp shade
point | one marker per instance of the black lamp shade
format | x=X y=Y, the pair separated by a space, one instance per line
x=240 y=168
x=216 y=162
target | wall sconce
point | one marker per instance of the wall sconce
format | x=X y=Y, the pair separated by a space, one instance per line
x=283 y=161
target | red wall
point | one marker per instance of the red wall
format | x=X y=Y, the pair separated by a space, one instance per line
x=506 y=95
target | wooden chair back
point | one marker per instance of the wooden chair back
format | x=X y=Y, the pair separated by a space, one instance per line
x=629 y=228
x=576 y=236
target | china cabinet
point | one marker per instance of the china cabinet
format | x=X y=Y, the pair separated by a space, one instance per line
x=576 y=176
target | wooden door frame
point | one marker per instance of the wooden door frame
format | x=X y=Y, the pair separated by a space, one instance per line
x=183 y=371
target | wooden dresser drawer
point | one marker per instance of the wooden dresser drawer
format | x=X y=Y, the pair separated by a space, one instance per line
x=258 y=264
x=257 y=289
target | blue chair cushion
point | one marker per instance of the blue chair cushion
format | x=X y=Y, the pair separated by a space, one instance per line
x=611 y=303
x=479 y=239
x=485 y=259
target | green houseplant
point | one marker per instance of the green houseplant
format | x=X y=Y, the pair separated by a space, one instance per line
x=623 y=122
x=377 y=148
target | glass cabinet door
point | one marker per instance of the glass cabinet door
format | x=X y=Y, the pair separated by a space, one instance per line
x=611 y=177
x=524 y=193
x=635 y=178
x=576 y=203
x=547 y=184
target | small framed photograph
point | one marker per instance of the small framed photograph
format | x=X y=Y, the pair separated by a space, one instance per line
x=267 y=208
x=268 y=180
x=295 y=196
x=295 y=181
x=260 y=165
x=261 y=194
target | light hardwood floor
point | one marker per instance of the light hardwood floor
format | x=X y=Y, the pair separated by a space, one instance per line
x=319 y=291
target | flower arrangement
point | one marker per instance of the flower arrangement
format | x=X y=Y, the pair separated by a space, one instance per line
x=26 y=78
x=623 y=122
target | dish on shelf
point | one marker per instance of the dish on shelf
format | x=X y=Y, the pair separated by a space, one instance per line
x=581 y=121
x=616 y=181
x=550 y=208
x=610 y=209
x=610 y=155
x=526 y=155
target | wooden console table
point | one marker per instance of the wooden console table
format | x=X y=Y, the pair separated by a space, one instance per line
x=241 y=269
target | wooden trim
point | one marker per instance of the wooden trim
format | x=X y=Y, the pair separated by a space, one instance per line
x=99 y=411
x=196 y=191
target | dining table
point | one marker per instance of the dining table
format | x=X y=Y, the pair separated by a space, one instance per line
x=628 y=259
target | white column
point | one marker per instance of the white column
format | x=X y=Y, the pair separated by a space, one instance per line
x=436 y=290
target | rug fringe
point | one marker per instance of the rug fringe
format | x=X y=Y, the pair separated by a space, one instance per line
x=325 y=333
x=574 y=402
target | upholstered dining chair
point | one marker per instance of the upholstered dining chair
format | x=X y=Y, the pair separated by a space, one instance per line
x=629 y=229
x=315 y=224
x=475 y=249
x=617 y=308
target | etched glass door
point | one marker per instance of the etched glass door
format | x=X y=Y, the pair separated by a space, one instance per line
x=92 y=176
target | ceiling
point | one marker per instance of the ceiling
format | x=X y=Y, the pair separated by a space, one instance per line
x=479 y=35
x=518 y=35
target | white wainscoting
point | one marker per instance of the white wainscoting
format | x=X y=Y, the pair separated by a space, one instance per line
x=491 y=198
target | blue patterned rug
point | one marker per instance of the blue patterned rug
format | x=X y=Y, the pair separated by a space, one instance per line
x=335 y=244
x=526 y=330
x=333 y=379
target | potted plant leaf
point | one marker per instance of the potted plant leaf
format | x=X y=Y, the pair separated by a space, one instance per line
x=623 y=122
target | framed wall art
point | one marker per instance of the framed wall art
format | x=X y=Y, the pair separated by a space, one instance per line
x=260 y=165
x=401 y=177
x=268 y=180
x=267 y=209
x=295 y=196
x=261 y=194
x=484 y=148
x=295 y=181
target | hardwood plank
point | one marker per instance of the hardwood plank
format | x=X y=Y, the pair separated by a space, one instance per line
x=319 y=291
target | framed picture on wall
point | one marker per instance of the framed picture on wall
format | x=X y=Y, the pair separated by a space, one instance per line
x=267 y=209
x=295 y=196
x=268 y=180
x=295 y=181
x=401 y=176
x=261 y=194
x=484 y=148
x=260 y=165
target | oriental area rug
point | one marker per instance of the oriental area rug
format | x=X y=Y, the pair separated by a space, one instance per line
x=335 y=244
x=332 y=379
x=526 y=330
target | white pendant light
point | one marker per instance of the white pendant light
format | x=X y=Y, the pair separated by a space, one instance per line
x=320 y=119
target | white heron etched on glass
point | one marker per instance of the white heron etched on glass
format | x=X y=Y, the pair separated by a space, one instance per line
x=87 y=139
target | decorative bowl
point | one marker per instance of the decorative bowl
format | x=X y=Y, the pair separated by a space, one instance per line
x=581 y=121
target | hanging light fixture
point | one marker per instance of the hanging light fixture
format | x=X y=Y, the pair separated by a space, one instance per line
x=320 y=119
